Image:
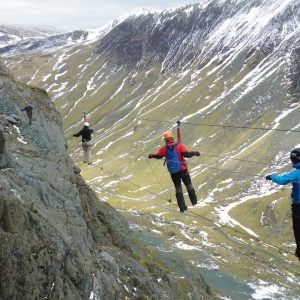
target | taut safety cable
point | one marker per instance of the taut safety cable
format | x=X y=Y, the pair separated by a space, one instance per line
x=170 y=200
x=216 y=125
x=225 y=126
x=134 y=184
x=200 y=216
x=244 y=160
x=211 y=167
x=206 y=124
x=217 y=225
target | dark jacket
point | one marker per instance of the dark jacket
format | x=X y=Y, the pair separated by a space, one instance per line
x=28 y=108
x=85 y=132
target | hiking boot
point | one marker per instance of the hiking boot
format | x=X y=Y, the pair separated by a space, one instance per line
x=183 y=209
x=180 y=202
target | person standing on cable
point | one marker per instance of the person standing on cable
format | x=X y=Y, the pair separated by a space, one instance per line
x=86 y=134
x=294 y=178
x=175 y=154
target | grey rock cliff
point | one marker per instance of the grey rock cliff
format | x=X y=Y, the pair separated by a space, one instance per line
x=57 y=241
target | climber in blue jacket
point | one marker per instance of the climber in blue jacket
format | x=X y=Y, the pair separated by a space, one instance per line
x=294 y=178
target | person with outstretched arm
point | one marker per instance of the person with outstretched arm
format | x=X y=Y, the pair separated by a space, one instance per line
x=28 y=108
x=86 y=134
x=294 y=178
x=175 y=154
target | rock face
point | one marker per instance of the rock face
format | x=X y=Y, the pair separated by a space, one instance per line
x=57 y=241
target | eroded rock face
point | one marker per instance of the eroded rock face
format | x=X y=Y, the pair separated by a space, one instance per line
x=57 y=241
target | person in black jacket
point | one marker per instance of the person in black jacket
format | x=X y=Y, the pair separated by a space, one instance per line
x=28 y=108
x=86 y=134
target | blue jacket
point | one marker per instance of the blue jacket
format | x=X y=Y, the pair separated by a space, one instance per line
x=294 y=178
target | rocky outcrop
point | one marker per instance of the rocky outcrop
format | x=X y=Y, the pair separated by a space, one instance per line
x=57 y=241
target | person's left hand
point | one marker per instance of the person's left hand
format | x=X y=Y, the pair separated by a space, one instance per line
x=268 y=177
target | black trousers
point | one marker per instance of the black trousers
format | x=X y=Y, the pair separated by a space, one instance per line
x=183 y=176
x=29 y=115
x=296 y=224
x=186 y=179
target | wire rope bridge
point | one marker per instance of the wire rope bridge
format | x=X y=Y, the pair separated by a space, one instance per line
x=164 y=201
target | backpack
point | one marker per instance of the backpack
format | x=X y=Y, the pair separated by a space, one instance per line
x=172 y=160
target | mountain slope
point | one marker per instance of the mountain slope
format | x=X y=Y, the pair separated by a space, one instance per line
x=220 y=67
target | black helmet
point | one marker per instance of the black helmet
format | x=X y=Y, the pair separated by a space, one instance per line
x=295 y=155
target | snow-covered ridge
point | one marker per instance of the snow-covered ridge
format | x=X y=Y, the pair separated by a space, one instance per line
x=8 y=39
x=49 y=44
x=227 y=25
x=28 y=31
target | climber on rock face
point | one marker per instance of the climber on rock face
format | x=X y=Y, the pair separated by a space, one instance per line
x=174 y=154
x=85 y=132
x=294 y=178
x=2 y=144
x=28 y=108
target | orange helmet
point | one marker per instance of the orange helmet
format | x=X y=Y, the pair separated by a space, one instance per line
x=168 y=135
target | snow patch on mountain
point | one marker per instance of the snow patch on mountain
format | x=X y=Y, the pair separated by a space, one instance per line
x=265 y=290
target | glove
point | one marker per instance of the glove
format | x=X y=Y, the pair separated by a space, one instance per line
x=150 y=156
x=197 y=153
x=268 y=177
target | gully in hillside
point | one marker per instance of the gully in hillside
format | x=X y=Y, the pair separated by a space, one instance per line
x=86 y=134
x=28 y=108
x=294 y=178
x=174 y=154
